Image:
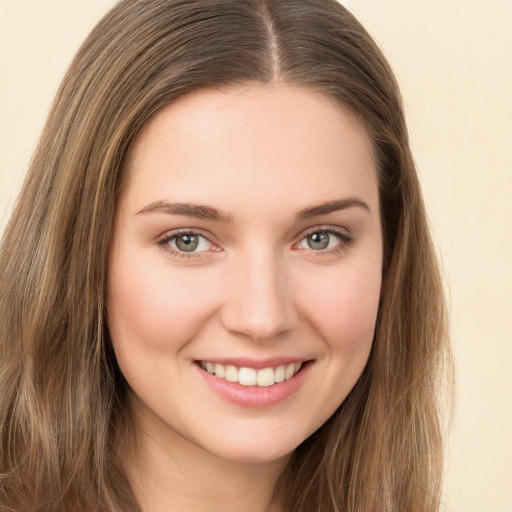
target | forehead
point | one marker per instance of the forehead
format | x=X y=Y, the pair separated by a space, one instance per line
x=274 y=142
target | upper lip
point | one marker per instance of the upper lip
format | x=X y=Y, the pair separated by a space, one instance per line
x=257 y=364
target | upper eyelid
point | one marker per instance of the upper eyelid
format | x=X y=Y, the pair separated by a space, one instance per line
x=325 y=228
x=322 y=227
x=172 y=233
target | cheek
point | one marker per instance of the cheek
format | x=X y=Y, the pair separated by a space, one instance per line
x=343 y=307
x=156 y=308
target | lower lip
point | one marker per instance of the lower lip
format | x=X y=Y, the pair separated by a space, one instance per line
x=255 y=396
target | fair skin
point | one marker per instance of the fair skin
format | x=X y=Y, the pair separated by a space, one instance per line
x=247 y=236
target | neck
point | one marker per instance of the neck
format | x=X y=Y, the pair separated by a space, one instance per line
x=170 y=473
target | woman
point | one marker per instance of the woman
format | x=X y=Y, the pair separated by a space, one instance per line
x=218 y=288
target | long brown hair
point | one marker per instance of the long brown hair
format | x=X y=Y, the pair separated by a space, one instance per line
x=63 y=399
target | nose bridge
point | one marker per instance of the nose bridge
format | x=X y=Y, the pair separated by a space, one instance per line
x=259 y=302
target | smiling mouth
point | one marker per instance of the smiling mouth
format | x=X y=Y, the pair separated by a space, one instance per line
x=245 y=376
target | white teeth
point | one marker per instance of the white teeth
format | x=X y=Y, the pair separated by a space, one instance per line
x=265 y=377
x=219 y=371
x=245 y=376
x=231 y=374
x=290 y=369
x=279 y=374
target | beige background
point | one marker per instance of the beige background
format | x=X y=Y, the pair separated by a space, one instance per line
x=453 y=59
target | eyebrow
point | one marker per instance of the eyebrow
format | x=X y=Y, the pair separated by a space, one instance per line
x=186 y=209
x=330 y=207
x=214 y=214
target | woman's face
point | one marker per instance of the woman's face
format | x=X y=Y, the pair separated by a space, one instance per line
x=245 y=269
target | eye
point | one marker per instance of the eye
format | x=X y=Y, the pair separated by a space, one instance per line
x=187 y=243
x=324 y=240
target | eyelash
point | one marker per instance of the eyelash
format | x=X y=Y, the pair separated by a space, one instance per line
x=165 y=239
x=346 y=241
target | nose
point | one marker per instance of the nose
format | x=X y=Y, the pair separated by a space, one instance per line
x=259 y=298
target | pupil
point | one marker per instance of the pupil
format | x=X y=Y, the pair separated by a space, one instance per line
x=318 y=240
x=187 y=243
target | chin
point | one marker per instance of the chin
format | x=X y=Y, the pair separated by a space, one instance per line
x=256 y=447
